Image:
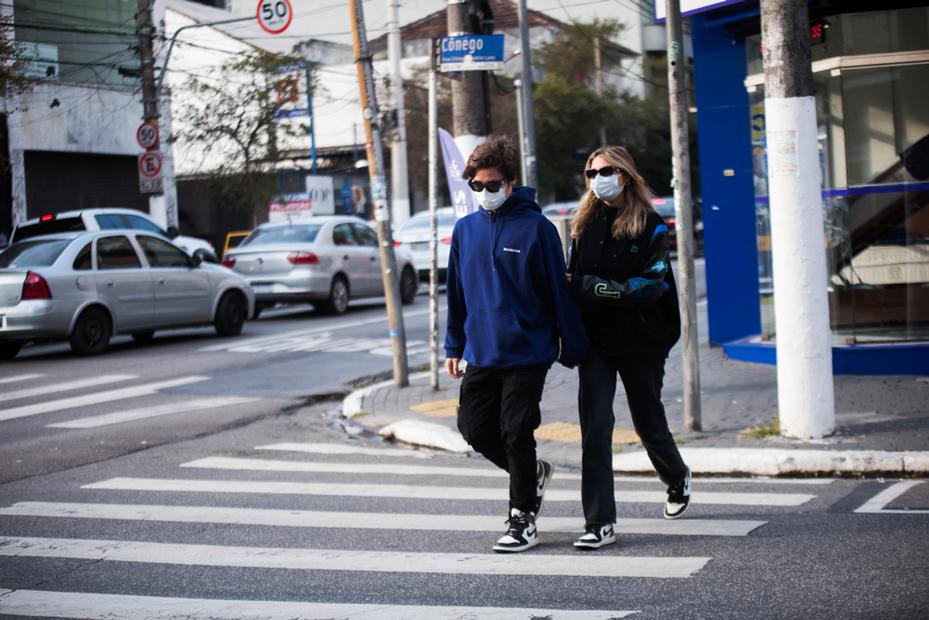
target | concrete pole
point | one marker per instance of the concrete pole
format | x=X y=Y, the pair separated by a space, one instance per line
x=399 y=176
x=598 y=83
x=526 y=78
x=683 y=201
x=805 y=396
x=434 y=231
x=379 y=192
x=521 y=128
x=467 y=92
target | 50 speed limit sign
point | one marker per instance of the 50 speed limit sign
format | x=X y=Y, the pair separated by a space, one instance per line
x=275 y=15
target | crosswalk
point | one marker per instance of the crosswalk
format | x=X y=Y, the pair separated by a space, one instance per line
x=355 y=510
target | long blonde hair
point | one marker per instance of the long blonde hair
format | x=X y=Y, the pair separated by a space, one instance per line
x=634 y=203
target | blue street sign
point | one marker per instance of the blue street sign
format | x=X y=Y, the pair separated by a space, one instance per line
x=471 y=52
x=292 y=113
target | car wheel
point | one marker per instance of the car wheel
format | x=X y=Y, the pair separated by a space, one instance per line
x=92 y=332
x=230 y=315
x=9 y=350
x=143 y=337
x=409 y=284
x=337 y=303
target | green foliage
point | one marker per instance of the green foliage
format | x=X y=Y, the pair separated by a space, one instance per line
x=13 y=81
x=771 y=429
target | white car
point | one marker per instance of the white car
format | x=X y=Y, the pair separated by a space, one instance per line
x=415 y=234
x=107 y=219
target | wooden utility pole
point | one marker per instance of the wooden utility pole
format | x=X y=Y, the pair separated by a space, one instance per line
x=683 y=205
x=806 y=402
x=468 y=114
x=375 y=152
x=145 y=27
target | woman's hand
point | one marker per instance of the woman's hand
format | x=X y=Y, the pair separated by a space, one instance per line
x=569 y=277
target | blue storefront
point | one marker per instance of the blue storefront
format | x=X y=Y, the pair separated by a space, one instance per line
x=871 y=68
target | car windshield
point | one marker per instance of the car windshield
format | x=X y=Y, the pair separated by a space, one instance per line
x=422 y=221
x=49 y=227
x=37 y=253
x=664 y=206
x=295 y=233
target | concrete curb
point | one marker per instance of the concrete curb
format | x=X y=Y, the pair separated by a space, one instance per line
x=352 y=404
x=781 y=462
x=427 y=434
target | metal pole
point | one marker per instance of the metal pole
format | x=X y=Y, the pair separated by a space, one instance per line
x=806 y=402
x=309 y=108
x=521 y=125
x=164 y=67
x=526 y=77
x=683 y=201
x=399 y=175
x=379 y=192
x=598 y=83
x=434 y=234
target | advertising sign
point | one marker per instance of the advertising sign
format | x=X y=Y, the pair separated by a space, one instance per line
x=462 y=199
x=689 y=7
x=318 y=199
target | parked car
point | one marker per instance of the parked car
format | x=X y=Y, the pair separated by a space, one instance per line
x=664 y=205
x=561 y=209
x=87 y=286
x=108 y=219
x=415 y=234
x=323 y=260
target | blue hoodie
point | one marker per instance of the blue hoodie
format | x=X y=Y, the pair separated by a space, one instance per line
x=508 y=299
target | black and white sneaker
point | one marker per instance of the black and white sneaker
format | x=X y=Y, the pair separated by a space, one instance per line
x=596 y=536
x=521 y=533
x=544 y=471
x=678 y=498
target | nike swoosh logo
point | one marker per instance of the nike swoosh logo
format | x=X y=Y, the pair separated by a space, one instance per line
x=530 y=531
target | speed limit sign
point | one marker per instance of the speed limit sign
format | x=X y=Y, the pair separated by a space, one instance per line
x=147 y=134
x=275 y=15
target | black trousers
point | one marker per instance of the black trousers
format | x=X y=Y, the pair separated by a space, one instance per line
x=643 y=378
x=498 y=411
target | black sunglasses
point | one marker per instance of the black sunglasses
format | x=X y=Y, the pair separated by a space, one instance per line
x=606 y=171
x=492 y=186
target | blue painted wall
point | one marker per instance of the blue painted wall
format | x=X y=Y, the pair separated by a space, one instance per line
x=724 y=143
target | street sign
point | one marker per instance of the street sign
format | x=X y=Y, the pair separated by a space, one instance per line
x=292 y=113
x=150 y=181
x=147 y=134
x=471 y=52
x=274 y=16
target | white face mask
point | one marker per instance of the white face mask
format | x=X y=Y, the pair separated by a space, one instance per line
x=606 y=188
x=491 y=201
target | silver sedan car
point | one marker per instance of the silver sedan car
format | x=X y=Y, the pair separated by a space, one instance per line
x=87 y=286
x=323 y=260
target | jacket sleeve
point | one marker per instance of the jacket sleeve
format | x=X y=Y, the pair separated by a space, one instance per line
x=640 y=291
x=457 y=309
x=571 y=329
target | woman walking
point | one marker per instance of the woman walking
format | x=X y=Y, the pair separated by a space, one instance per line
x=621 y=275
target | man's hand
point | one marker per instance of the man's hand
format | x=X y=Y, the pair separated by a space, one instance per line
x=451 y=365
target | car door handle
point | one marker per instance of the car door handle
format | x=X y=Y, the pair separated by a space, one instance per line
x=345 y=257
x=161 y=280
x=110 y=283
x=373 y=258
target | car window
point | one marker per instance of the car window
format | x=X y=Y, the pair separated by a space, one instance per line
x=342 y=235
x=116 y=253
x=297 y=233
x=138 y=222
x=84 y=259
x=365 y=235
x=36 y=253
x=49 y=227
x=109 y=221
x=160 y=253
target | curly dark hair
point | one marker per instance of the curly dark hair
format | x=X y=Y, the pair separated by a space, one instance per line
x=495 y=152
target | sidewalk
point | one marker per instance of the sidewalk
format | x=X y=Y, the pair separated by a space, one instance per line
x=882 y=422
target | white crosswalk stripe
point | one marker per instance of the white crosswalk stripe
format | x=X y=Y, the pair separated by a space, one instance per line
x=18 y=378
x=339 y=448
x=132 y=415
x=54 y=388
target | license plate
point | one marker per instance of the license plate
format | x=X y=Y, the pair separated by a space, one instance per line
x=262 y=288
x=420 y=246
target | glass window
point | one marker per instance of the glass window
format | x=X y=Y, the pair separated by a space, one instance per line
x=342 y=235
x=57 y=225
x=84 y=260
x=110 y=221
x=137 y=222
x=37 y=253
x=116 y=253
x=296 y=233
x=160 y=253
x=365 y=235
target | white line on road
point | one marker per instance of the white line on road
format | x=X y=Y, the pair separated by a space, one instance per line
x=45 y=603
x=64 y=387
x=131 y=415
x=361 y=520
x=16 y=378
x=578 y=565
x=876 y=504
x=424 y=492
x=338 y=448
x=95 y=399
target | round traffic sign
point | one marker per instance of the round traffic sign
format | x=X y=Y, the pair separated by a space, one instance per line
x=147 y=134
x=150 y=164
x=274 y=15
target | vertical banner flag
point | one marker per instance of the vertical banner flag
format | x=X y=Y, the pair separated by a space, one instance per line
x=462 y=199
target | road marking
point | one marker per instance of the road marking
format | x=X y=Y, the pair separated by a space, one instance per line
x=16 y=378
x=326 y=343
x=343 y=489
x=95 y=399
x=366 y=560
x=338 y=448
x=128 y=607
x=64 y=387
x=876 y=504
x=131 y=415
x=361 y=520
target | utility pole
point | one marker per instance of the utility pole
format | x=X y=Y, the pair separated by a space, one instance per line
x=399 y=184
x=521 y=128
x=683 y=206
x=433 y=227
x=468 y=116
x=375 y=152
x=528 y=112
x=598 y=83
x=806 y=402
x=145 y=28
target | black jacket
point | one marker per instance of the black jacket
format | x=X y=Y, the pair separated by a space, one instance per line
x=625 y=287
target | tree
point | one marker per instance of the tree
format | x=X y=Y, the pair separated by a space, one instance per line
x=13 y=78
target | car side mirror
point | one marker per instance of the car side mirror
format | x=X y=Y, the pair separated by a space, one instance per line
x=172 y=232
x=202 y=255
